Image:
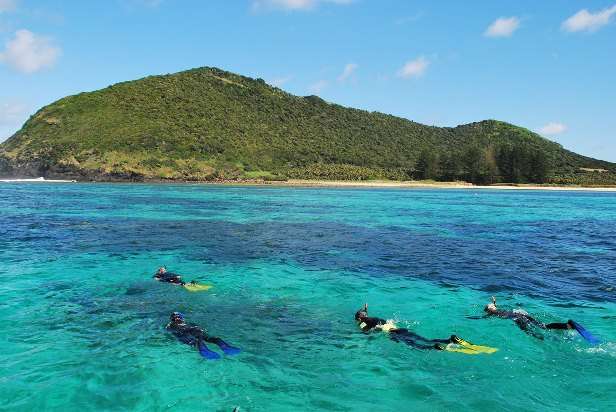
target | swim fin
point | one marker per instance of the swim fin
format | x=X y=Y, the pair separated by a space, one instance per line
x=477 y=348
x=453 y=347
x=228 y=349
x=207 y=353
x=196 y=287
x=590 y=338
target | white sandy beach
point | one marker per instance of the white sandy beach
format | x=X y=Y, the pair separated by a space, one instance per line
x=434 y=185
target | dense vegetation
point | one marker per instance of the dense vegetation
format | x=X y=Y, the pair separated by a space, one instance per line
x=207 y=124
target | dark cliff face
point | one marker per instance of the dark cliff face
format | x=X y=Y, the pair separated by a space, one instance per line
x=13 y=169
x=34 y=169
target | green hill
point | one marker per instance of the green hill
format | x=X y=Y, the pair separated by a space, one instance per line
x=208 y=124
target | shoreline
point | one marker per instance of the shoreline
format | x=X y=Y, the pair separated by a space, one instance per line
x=433 y=185
x=342 y=184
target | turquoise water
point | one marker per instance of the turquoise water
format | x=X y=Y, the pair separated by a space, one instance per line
x=82 y=322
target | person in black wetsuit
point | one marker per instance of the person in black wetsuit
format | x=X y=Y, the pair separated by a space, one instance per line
x=162 y=275
x=194 y=335
x=367 y=324
x=523 y=319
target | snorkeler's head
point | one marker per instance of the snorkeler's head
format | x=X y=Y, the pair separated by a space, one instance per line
x=176 y=317
x=361 y=314
x=162 y=270
x=490 y=308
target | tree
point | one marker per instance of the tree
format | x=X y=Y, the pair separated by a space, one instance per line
x=480 y=165
x=513 y=162
x=490 y=170
x=541 y=167
x=473 y=157
x=452 y=167
x=427 y=164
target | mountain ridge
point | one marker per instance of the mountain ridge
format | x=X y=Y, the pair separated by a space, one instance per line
x=207 y=124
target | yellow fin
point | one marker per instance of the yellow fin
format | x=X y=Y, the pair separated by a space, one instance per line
x=195 y=287
x=478 y=348
x=460 y=349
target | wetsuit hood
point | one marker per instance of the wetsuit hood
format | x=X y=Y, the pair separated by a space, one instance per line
x=176 y=317
x=360 y=314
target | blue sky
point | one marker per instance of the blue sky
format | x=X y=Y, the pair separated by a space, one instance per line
x=549 y=66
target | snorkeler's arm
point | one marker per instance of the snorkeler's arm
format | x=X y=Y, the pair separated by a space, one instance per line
x=368 y=324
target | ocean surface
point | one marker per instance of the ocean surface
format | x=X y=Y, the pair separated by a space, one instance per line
x=82 y=322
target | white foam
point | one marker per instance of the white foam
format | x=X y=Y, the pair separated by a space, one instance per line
x=608 y=348
x=36 y=180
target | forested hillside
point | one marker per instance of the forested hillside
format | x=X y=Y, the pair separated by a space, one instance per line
x=208 y=124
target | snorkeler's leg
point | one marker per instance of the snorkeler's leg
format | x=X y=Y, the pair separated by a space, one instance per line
x=187 y=339
x=448 y=340
x=525 y=326
x=205 y=351
x=226 y=348
x=419 y=338
x=558 y=325
x=411 y=339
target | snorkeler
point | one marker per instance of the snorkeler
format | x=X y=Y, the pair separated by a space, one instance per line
x=527 y=323
x=451 y=344
x=162 y=275
x=194 y=335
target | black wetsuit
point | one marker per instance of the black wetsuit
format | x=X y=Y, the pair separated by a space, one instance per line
x=169 y=277
x=191 y=334
x=525 y=321
x=367 y=323
x=399 y=334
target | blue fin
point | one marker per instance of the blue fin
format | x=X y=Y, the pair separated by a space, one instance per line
x=593 y=340
x=228 y=349
x=206 y=353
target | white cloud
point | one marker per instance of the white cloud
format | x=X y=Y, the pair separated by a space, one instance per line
x=280 y=81
x=318 y=87
x=584 y=20
x=502 y=27
x=293 y=4
x=28 y=52
x=553 y=128
x=348 y=71
x=7 y=5
x=414 y=68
